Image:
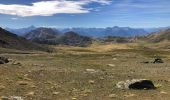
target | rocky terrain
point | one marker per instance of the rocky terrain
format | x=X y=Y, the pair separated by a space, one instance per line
x=100 y=71
x=86 y=73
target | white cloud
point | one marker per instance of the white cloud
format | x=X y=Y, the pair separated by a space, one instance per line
x=49 y=8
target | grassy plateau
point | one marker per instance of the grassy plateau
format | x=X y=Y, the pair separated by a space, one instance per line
x=85 y=73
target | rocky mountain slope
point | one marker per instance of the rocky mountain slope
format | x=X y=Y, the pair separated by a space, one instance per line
x=10 y=40
x=53 y=37
x=161 y=36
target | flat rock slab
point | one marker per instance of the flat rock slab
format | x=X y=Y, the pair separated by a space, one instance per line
x=137 y=84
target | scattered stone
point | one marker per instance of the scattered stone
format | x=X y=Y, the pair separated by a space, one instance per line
x=136 y=84
x=91 y=70
x=158 y=60
x=129 y=95
x=2 y=87
x=27 y=79
x=30 y=94
x=22 y=83
x=74 y=98
x=101 y=78
x=33 y=86
x=56 y=93
x=112 y=96
x=158 y=85
x=84 y=95
x=111 y=65
x=16 y=63
x=114 y=58
x=40 y=65
x=91 y=81
x=10 y=60
x=163 y=92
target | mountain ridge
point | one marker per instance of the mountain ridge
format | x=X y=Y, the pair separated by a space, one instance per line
x=93 y=32
x=12 y=41
x=53 y=37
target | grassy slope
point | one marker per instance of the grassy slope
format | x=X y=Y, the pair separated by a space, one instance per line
x=64 y=71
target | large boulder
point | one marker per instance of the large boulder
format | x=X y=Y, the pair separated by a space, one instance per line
x=136 y=84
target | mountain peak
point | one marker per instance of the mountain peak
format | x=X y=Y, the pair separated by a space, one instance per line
x=32 y=26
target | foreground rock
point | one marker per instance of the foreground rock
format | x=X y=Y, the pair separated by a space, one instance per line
x=111 y=65
x=3 y=60
x=158 y=60
x=91 y=71
x=137 y=84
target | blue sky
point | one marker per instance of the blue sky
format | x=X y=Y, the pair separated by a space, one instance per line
x=84 y=13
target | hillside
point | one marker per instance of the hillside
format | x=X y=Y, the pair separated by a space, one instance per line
x=41 y=33
x=117 y=39
x=161 y=36
x=73 y=39
x=10 y=40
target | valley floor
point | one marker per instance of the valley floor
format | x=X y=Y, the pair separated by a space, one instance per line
x=74 y=73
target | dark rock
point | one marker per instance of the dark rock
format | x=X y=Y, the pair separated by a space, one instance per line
x=142 y=84
x=158 y=60
x=3 y=60
x=145 y=62
x=137 y=84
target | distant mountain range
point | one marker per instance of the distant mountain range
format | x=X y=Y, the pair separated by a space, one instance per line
x=109 y=31
x=96 y=32
x=21 y=31
x=62 y=37
x=54 y=37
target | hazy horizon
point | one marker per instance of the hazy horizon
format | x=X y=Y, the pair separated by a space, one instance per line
x=82 y=27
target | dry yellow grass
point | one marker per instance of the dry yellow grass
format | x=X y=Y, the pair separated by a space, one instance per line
x=95 y=48
x=108 y=47
x=65 y=75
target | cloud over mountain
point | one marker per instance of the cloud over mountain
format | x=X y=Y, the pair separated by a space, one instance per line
x=49 y=7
